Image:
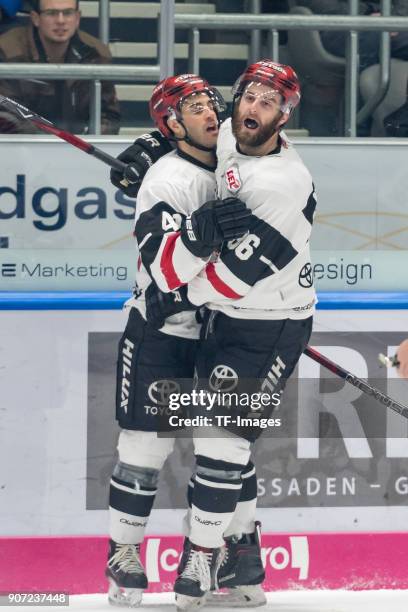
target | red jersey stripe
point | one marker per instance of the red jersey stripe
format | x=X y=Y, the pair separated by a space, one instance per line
x=219 y=284
x=166 y=262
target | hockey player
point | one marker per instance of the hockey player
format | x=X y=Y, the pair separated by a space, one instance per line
x=179 y=223
x=260 y=299
x=259 y=294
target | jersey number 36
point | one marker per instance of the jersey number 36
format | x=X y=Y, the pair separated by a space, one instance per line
x=243 y=249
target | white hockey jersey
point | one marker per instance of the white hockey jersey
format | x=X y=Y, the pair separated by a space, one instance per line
x=174 y=187
x=267 y=274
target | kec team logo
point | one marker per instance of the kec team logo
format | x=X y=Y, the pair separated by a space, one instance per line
x=160 y=391
x=306 y=276
x=233 y=179
x=223 y=378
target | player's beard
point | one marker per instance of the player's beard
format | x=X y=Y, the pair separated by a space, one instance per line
x=262 y=134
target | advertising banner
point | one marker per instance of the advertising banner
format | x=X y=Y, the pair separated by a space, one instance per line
x=344 y=466
x=57 y=224
x=292 y=561
x=115 y=269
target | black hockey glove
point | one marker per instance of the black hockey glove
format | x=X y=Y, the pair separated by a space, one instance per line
x=160 y=305
x=212 y=223
x=142 y=154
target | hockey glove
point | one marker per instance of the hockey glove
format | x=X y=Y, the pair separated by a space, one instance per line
x=215 y=221
x=142 y=154
x=160 y=305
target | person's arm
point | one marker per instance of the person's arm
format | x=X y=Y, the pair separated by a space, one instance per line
x=175 y=247
x=143 y=153
x=110 y=123
x=277 y=233
x=9 y=123
x=9 y=87
x=160 y=305
x=402 y=356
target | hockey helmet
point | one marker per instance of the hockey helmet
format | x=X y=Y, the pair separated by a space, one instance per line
x=168 y=97
x=279 y=77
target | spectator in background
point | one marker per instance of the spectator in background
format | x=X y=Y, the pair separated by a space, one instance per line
x=369 y=42
x=319 y=111
x=53 y=36
x=402 y=355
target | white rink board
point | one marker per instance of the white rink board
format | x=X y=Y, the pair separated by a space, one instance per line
x=361 y=188
x=71 y=230
x=43 y=433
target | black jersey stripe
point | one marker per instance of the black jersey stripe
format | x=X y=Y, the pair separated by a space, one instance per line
x=310 y=207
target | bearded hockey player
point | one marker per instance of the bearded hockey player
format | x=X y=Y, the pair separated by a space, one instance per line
x=260 y=299
x=179 y=223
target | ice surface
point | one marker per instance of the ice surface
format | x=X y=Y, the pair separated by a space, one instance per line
x=284 y=601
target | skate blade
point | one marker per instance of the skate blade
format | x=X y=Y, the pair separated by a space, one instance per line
x=245 y=596
x=124 y=596
x=185 y=602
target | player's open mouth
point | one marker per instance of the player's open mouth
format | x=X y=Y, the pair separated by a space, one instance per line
x=212 y=129
x=251 y=124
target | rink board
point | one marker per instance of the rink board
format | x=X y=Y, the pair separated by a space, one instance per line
x=53 y=505
x=76 y=565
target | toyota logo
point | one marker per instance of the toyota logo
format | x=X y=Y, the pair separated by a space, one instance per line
x=306 y=276
x=160 y=391
x=223 y=378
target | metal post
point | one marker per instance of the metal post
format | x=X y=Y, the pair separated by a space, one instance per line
x=95 y=112
x=352 y=65
x=84 y=72
x=166 y=38
x=273 y=44
x=194 y=51
x=104 y=16
x=255 y=45
x=385 y=70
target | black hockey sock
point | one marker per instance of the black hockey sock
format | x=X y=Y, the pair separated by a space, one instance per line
x=131 y=496
x=217 y=487
x=243 y=520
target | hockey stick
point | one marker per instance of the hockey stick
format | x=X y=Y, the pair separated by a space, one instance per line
x=363 y=385
x=130 y=173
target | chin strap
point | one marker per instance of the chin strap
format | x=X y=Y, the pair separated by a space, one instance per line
x=196 y=145
x=187 y=138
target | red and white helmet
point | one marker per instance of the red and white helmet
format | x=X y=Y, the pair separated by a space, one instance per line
x=168 y=96
x=279 y=77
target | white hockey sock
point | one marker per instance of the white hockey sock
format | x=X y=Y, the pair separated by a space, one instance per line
x=126 y=528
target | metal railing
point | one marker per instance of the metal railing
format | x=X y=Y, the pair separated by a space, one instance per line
x=168 y=22
x=350 y=24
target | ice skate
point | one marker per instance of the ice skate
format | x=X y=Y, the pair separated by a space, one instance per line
x=184 y=556
x=198 y=576
x=241 y=573
x=126 y=575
